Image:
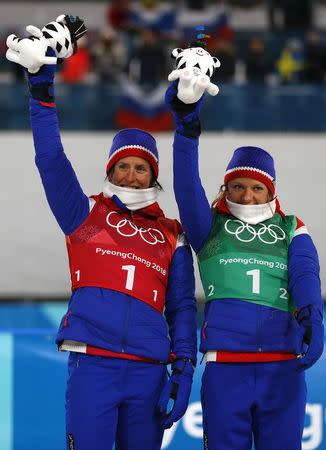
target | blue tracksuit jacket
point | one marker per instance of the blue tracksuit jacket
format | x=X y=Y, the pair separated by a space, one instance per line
x=101 y=317
x=233 y=324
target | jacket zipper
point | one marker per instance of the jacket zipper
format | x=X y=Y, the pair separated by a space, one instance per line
x=203 y=331
x=259 y=329
x=126 y=326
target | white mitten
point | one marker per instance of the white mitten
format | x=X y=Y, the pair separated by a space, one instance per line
x=195 y=66
x=29 y=52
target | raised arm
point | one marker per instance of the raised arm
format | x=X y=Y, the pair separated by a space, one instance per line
x=194 y=208
x=67 y=201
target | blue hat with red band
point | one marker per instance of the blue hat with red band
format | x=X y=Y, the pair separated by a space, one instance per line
x=134 y=142
x=252 y=162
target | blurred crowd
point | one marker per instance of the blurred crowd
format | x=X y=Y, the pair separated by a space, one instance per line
x=138 y=38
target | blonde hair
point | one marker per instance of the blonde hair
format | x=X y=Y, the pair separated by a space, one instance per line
x=221 y=194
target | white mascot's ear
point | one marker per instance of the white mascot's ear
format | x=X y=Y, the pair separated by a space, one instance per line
x=60 y=18
x=176 y=52
x=216 y=62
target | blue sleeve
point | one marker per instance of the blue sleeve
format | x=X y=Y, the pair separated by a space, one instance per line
x=66 y=199
x=304 y=280
x=180 y=305
x=194 y=208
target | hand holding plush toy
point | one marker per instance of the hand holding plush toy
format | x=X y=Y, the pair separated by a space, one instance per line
x=61 y=35
x=195 y=66
x=29 y=52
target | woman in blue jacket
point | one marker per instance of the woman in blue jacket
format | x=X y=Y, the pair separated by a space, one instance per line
x=263 y=307
x=132 y=310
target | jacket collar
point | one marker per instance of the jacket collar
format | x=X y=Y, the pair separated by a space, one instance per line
x=115 y=203
x=223 y=208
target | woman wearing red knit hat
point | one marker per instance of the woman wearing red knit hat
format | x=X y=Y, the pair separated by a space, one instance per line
x=263 y=306
x=132 y=310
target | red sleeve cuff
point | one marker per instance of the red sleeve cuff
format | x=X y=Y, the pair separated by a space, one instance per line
x=49 y=105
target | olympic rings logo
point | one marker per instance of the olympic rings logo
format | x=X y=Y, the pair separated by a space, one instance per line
x=128 y=229
x=268 y=234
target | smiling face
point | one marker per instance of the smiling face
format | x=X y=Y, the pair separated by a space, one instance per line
x=132 y=172
x=247 y=191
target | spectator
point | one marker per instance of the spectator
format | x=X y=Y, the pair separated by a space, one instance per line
x=77 y=68
x=257 y=64
x=290 y=63
x=225 y=51
x=196 y=4
x=148 y=65
x=118 y=15
x=110 y=57
x=294 y=13
x=315 y=59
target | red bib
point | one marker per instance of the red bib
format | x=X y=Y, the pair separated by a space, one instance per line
x=123 y=251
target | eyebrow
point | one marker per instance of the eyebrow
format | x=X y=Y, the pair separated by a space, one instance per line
x=238 y=183
x=137 y=166
x=141 y=166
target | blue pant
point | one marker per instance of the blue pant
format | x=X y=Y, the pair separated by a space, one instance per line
x=110 y=400
x=264 y=401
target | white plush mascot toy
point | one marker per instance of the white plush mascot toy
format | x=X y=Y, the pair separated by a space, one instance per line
x=60 y=35
x=195 y=66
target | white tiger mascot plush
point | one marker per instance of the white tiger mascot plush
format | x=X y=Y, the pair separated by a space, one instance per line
x=195 y=66
x=61 y=35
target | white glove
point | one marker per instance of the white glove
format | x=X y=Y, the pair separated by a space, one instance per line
x=192 y=85
x=29 y=52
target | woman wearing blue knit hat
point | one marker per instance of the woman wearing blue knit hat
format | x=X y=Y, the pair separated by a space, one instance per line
x=263 y=306
x=132 y=310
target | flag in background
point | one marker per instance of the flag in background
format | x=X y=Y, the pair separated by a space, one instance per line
x=144 y=109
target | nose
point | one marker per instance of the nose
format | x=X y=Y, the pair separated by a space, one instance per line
x=130 y=176
x=247 y=196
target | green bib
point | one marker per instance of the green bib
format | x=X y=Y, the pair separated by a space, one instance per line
x=248 y=262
